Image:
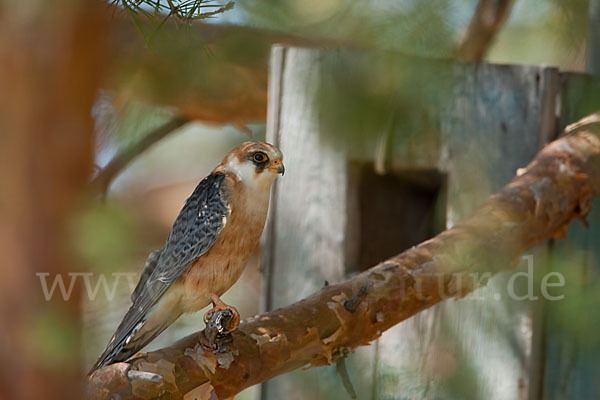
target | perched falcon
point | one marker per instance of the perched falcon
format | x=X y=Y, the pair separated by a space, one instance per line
x=206 y=250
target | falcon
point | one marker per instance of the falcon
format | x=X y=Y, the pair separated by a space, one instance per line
x=206 y=251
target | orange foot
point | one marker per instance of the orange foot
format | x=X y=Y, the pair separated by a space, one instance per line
x=228 y=318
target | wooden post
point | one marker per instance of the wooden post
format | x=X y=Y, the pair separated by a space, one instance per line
x=309 y=214
x=569 y=352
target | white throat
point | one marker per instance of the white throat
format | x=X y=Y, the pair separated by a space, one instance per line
x=246 y=172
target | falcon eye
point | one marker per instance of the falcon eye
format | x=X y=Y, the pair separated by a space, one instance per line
x=260 y=157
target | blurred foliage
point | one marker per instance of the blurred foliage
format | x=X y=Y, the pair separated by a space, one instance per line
x=430 y=28
x=571 y=16
x=578 y=260
x=577 y=314
x=51 y=336
x=551 y=32
x=208 y=73
x=379 y=96
x=414 y=27
x=119 y=125
x=106 y=236
x=182 y=64
x=581 y=97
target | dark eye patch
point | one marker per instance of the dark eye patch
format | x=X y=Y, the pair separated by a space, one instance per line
x=260 y=159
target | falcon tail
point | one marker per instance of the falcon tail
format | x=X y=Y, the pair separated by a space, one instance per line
x=132 y=342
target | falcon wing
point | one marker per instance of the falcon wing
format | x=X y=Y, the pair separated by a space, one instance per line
x=146 y=272
x=193 y=233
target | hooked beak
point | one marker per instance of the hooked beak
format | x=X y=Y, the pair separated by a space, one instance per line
x=277 y=166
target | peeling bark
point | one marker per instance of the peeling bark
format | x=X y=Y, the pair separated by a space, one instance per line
x=542 y=199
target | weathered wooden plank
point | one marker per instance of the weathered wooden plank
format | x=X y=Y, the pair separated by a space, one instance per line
x=593 y=39
x=310 y=201
x=308 y=221
x=499 y=117
x=579 y=96
x=570 y=345
x=569 y=364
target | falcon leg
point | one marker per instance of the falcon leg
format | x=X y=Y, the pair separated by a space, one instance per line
x=220 y=321
x=225 y=318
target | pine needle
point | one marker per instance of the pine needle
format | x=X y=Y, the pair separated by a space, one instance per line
x=184 y=10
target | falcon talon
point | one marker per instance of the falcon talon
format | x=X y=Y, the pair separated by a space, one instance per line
x=205 y=253
x=217 y=343
x=222 y=317
x=220 y=322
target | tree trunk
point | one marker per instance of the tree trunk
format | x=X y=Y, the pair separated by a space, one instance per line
x=53 y=57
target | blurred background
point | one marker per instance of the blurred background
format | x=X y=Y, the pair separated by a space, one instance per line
x=113 y=111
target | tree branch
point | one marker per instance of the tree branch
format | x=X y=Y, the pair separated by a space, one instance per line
x=122 y=159
x=542 y=199
x=489 y=17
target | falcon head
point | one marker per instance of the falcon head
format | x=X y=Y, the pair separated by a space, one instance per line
x=256 y=164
